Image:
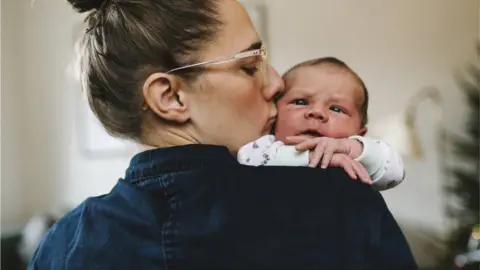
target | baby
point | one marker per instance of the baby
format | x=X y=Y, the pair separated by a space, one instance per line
x=322 y=117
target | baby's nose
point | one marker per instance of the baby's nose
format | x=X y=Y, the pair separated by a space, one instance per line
x=317 y=113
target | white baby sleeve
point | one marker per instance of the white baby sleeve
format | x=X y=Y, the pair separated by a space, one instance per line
x=383 y=164
x=268 y=152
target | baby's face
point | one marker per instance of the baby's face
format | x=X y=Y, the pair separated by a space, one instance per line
x=320 y=101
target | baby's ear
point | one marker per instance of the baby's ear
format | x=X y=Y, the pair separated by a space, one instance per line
x=363 y=131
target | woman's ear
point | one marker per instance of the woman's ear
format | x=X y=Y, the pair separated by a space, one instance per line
x=165 y=97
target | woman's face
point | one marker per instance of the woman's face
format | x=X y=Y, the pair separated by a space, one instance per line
x=232 y=103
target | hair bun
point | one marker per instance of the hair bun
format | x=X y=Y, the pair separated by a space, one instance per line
x=86 y=5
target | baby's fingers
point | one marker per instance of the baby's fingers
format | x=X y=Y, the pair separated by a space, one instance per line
x=317 y=155
x=362 y=173
x=308 y=145
x=347 y=165
x=291 y=140
x=327 y=156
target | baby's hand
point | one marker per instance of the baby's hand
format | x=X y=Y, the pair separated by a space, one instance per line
x=334 y=153
x=352 y=167
x=323 y=148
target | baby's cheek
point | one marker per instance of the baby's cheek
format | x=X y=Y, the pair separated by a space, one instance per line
x=339 y=131
x=285 y=126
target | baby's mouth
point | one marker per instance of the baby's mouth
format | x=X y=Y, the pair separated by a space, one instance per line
x=312 y=133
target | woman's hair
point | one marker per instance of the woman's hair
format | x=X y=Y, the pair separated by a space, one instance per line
x=126 y=41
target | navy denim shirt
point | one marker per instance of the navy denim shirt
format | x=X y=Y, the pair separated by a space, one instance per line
x=195 y=207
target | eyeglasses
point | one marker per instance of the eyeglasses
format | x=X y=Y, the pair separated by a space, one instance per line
x=261 y=52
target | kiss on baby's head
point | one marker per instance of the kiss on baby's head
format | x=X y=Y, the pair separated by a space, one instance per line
x=323 y=97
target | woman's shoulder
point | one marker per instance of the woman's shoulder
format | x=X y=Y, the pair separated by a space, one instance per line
x=301 y=174
x=97 y=232
x=329 y=183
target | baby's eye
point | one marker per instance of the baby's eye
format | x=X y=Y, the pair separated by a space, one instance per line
x=300 y=102
x=337 y=109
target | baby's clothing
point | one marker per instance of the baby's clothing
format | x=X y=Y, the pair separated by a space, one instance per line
x=383 y=164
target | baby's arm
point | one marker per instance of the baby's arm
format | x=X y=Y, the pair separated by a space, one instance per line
x=268 y=152
x=382 y=162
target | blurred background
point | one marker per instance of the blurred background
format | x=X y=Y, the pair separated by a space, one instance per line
x=408 y=52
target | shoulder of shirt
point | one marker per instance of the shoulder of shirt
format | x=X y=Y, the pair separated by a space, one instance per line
x=91 y=230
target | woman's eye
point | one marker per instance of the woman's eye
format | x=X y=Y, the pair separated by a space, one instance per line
x=250 y=70
x=337 y=109
x=300 y=102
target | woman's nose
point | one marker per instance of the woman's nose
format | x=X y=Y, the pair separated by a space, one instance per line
x=274 y=84
x=317 y=113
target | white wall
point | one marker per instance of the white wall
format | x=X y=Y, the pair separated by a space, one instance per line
x=397 y=47
x=65 y=176
x=41 y=160
x=13 y=117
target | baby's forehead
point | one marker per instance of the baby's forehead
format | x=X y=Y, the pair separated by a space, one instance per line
x=317 y=70
x=310 y=76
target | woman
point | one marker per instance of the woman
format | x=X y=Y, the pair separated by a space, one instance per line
x=189 y=79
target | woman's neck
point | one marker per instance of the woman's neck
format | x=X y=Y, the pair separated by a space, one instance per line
x=169 y=137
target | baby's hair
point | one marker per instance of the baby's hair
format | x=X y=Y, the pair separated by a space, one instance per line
x=363 y=109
